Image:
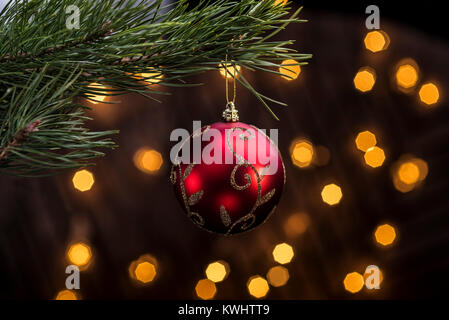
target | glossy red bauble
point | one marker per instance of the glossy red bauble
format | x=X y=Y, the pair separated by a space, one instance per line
x=226 y=196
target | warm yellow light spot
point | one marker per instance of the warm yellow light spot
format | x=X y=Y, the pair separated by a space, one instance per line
x=302 y=153
x=365 y=79
x=144 y=269
x=374 y=157
x=407 y=75
x=152 y=76
x=296 y=224
x=365 y=140
x=353 y=282
x=229 y=70
x=66 y=295
x=148 y=160
x=283 y=253
x=278 y=276
x=429 y=94
x=145 y=272
x=205 y=289
x=99 y=97
x=385 y=234
x=281 y=2
x=79 y=254
x=376 y=41
x=331 y=194
x=408 y=173
x=217 y=271
x=290 y=69
x=83 y=180
x=257 y=286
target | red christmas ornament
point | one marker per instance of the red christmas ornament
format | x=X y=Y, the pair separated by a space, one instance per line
x=237 y=194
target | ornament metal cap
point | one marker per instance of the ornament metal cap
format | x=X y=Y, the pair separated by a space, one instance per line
x=230 y=114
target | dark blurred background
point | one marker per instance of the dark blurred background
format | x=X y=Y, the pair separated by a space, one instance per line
x=129 y=213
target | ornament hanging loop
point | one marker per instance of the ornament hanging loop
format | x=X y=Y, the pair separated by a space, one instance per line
x=230 y=114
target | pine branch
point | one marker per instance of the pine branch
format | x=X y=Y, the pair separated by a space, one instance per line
x=116 y=41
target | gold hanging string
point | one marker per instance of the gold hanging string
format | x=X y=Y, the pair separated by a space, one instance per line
x=233 y=82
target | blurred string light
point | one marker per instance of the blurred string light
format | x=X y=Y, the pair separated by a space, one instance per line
x=257 y=286
x=429 y=94
x=67 y=295
x=374 y=157
x=376 y=41
x=407 y=74
x=144 y=269
x=151 y=76
x=302 y=153
x=280 y=2
x=408 y=173
x=290 y=69
x=278 y=276
x=353 y=282
x=83 y=180
x=365 y=140
x=217 y=271
x=205 y=289
x=148 y=160
x=385 y=234
x=227 y=69
x=331 y=194
x=365 y=79
x=96 y=96
x=296 y=224
x=79 y=254
x=283 y=253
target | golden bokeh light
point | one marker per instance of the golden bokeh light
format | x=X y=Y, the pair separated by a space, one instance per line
x=151 y=76
x=429 y=94
x=407 y=74
x=353 y=282
x=99 y=97
x=144 y=269
x=280 y=2
x=408 y=173
x=365 y=79
x=227 y=69
x=374 y=157
x=257 y=286
x=331 y=194
x=365 y=140
x=302 y=153
x=290 y=69
x=148 y=160
x=83 y=180
x=79 y=254
x=145 y=272
x=278 y=276
x=217 y=271
x=385 y=234
x=205 y=289
x=67 y=295
x=283 y=253
x=296 y=224
x=376 y=41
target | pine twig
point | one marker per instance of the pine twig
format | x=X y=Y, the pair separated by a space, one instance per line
x=20 y=137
